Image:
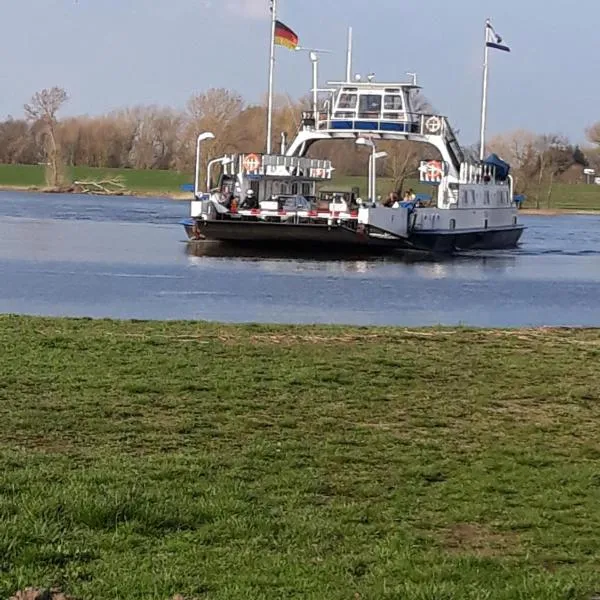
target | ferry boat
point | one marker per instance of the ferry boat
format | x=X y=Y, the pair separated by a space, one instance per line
x=273 y=199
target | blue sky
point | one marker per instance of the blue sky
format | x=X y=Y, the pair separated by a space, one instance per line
x=114 y=53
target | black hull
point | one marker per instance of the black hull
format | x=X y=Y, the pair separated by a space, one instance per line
x=312 y=237
x=489 y=239
x=286 y=234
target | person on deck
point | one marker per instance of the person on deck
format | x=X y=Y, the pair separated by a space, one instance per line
x=250 y=202
x=391 y=200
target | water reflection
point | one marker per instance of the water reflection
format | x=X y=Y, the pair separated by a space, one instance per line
x=349 y=260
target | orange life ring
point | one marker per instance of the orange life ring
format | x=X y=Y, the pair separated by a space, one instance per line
x=252 y=162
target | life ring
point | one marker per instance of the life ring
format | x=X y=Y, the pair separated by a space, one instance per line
x=251 y=163
x=433 y=125
x=432 y=171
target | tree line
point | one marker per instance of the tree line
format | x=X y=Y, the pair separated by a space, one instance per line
x=154 y=137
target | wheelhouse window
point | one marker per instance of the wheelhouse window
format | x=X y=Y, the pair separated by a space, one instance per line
x=393 y=106
x=346 y=108
x=369 y=106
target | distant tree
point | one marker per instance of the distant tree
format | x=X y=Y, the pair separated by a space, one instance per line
x=579 y=157
x=42 y=111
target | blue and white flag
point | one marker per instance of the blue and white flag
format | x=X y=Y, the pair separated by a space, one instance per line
x=493 y=40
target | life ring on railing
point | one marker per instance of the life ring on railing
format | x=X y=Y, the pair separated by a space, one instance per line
x=251 y=163
x=433 y=125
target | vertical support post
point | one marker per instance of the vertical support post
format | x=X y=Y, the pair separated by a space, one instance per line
x=315 y=85
x=349 y=57
x=370 y=179
x=374 y=174
x=283 y=143
x=271 y=75
x=197 y=170
x=484 y=93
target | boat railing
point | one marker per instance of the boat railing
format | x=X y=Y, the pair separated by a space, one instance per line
x=399 y=122
x=480 y=173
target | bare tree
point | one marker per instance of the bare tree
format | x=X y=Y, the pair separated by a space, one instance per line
x=42 y=110
x=401 y=161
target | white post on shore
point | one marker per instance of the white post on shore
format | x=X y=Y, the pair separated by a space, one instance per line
x=484 y=93
x=271 y=75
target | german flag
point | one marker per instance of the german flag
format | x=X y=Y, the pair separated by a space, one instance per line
x=284 y=36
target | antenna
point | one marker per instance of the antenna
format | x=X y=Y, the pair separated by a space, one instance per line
x=370 y=77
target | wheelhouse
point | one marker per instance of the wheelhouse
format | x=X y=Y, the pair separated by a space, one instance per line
x=373 y=107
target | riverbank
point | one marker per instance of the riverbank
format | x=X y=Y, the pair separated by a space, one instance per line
x=148 y=459
x=555 y=212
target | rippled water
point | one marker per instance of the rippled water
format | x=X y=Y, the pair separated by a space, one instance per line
x=125 y=257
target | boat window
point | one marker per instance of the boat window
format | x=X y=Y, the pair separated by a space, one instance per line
x=486 y=197
x=306 y=189
x=346 y=108
x=276 y=190
x=393 y=102
x=370 y=106
x=294 y=188
x=463 y=195
x=392 y=90
x=348 y=101
x=514 y=220
x=485 y=224
x=284 y=189
x=452 y=223
x=472 y=196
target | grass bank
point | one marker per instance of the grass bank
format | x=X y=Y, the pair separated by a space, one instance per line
x=141 y=460
x=140 y=182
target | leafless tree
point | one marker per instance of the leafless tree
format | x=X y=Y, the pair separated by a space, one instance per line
x=42 y=110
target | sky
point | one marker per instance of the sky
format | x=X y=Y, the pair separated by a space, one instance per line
x=110 y=54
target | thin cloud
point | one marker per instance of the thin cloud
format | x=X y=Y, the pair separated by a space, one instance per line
x=251 y=9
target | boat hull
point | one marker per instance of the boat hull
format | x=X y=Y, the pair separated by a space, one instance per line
x=314 y=235
x=285 y=234
x=489 y=239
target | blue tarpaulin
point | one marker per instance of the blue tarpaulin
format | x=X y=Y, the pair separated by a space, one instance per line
x=501 y=166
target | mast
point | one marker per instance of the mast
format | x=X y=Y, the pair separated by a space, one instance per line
x=271 y=74
x=484 y=93
x=349 y=57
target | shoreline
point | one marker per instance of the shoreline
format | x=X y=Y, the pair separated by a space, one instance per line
x=555 y=212
x=180 y=196
x=168 y=195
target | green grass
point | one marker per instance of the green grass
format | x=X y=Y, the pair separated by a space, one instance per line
x=141 y=460
x=134 y=180
x=572 y=197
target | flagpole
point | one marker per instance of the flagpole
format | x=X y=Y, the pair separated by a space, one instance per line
x=484 y=94
x=271 y=73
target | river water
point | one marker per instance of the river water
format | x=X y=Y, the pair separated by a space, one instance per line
x=67 y=255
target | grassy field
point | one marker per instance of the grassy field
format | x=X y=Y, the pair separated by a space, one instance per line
x=139 y=461
x=135 y=180
x=570 y=197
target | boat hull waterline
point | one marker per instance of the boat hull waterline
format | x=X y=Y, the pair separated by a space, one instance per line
x=340 y=236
